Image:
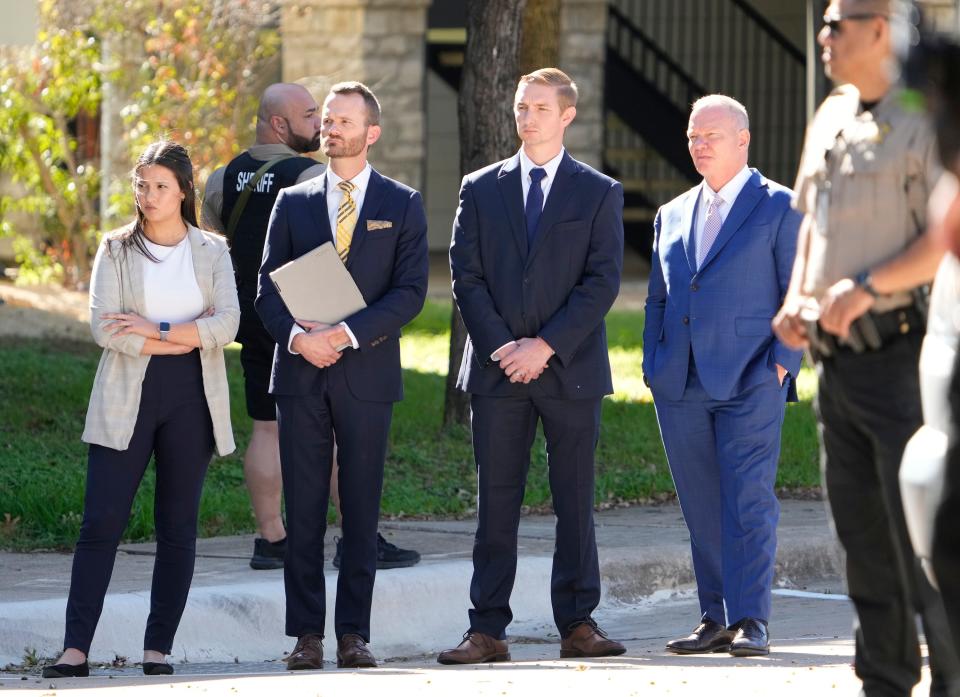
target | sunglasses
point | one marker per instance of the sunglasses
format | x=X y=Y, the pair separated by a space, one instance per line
x=834 y=23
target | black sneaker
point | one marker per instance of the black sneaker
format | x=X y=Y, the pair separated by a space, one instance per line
x=268 y=555
x=389 y=556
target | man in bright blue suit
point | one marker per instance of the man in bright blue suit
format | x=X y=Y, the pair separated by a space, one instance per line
x=722 y=257
x=342 y=378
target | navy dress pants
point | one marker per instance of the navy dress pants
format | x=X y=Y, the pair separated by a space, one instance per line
x=307 y=424
x=173 y=424
x=503 y=432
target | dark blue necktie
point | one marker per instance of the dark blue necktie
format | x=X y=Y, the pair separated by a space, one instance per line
x=534 y=206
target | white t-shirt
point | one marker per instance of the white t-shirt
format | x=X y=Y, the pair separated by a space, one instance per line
x=170 y=289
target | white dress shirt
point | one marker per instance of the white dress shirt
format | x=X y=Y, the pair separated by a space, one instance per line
x=335 y=195
x=550 y=167
x=526 y=164
x=361 y=183
x=728 y=193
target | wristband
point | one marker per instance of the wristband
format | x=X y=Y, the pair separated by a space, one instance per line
x=864 y=280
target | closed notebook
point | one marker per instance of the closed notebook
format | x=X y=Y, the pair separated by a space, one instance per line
x=317 y=286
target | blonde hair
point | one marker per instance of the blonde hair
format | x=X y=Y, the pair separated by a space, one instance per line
x=567 y=91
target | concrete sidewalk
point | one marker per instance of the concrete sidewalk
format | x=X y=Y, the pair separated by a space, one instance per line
x=237 y=614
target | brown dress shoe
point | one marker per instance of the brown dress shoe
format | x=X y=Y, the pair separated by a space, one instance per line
x=307 y=654
x=476 y=648
x=352 y=652
x=587 y=640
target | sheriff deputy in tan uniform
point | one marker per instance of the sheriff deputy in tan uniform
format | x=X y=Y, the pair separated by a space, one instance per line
x=867 y=169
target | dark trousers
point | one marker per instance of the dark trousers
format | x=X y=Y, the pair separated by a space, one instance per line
x=946 y=541
x=723 y=457
x=307 y=423
x=173 y=424
x=869 y=406
x=503 y=432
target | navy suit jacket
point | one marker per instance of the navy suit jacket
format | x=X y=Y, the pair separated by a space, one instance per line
x=560 y=290
x=389 y=266
x=723 y=311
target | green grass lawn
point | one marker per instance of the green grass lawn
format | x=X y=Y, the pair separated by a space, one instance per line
x=44 y=388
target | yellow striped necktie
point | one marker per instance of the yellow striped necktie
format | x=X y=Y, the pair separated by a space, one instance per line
x=346 y=219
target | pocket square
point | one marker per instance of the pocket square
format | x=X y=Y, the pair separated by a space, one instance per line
x=378 y=224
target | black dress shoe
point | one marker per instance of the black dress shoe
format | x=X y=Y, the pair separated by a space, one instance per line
x=751 y=639
x=65 y=670
x=152 y=668
x=709 y=637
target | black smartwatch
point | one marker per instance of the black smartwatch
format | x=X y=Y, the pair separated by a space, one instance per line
x=164 y=330
x=864 y=280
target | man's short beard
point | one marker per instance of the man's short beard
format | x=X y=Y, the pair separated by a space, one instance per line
x=349 y=148
x=303 y=145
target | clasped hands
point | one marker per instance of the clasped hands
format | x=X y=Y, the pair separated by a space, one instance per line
x=525 y=359
x=320 y=345
x=841 y=304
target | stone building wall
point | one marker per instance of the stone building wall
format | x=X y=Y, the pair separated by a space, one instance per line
x=583 y=25
x=378 y=42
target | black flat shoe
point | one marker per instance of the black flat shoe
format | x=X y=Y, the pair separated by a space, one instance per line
x=151 y=668
x=65 y=670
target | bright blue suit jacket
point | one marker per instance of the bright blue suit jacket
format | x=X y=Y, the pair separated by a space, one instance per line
x=389 y=265
x=723 y=311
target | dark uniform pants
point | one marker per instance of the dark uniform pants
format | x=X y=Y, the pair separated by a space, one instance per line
x=868 y=406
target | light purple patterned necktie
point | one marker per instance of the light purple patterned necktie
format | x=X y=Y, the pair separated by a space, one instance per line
x=711 y=227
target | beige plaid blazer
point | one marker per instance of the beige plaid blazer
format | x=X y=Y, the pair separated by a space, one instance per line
x=117 y=286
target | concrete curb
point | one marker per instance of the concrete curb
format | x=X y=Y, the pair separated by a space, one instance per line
x=419 y=610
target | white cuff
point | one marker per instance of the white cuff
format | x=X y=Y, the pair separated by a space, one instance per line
x=353 y=340
x=494 y=356
x=294 y=330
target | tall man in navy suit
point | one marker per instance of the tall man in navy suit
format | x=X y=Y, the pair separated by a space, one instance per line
x=344 y=377
x=722 y=258
x=536 y=258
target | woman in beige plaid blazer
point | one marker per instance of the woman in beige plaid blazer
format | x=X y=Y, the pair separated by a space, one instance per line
x=163 y=304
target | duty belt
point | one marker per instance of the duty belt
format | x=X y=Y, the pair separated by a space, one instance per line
x=869 y=332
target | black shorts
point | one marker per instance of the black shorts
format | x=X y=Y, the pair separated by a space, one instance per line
x=256 y=357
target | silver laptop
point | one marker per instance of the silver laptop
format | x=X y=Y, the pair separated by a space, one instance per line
x=318 y=287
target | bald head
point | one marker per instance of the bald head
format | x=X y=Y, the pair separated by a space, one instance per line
x=289 y=114
x=882 y=7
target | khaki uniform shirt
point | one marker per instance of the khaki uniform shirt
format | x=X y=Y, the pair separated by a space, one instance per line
x=864 y=181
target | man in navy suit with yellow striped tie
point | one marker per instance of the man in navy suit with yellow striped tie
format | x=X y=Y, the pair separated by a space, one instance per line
x=536 y=258
x=344 y=377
